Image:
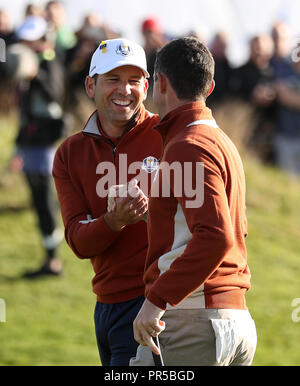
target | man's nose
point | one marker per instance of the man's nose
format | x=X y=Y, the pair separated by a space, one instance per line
x=124 y=88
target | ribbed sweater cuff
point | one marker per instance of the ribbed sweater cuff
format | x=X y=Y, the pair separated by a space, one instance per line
x=156 y=300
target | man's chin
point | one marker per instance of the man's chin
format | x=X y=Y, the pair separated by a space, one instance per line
x=129 y=120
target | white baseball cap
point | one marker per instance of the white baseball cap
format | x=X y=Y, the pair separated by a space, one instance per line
x=116 y=53
x=33 y=28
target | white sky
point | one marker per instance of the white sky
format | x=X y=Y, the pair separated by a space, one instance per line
x=241 y=18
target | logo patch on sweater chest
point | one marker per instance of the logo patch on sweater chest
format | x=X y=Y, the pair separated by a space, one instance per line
x=150 y=164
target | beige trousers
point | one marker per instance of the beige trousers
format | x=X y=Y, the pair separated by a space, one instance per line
x=204 y=337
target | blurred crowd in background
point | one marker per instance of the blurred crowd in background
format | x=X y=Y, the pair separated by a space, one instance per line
x=46 y=55
x=42 y=83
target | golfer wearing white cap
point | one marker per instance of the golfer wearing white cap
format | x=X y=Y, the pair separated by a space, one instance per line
x=115 y=240
x=117 y=53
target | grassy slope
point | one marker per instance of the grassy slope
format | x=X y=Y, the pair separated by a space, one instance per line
x=273 y=248
x=50 y=321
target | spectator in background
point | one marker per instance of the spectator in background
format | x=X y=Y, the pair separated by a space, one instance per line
x=287 y=87
x=256 y=70
x=6 y=28
x=64 y=37
x=79 y=61
x=287 y=141
x=281 y=59
x=40 y=126
x=198 y=33
x=93 y=21
x=154 y=39
x=34 y=10
x=222 y=70
x=8 y=35
x=92 y=31
x=253 y=83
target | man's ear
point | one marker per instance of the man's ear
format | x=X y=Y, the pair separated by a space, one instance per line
x=162 y=83
x=212 y=87
x=146 y=87
x=90 y=86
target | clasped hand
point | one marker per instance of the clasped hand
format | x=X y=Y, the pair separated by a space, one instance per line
x=127 y=204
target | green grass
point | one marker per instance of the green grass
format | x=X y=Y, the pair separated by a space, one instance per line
x=273 y=250
x=50 y=321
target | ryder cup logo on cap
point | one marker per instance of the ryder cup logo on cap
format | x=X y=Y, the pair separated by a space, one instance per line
x=124 y=50
x=116 y=53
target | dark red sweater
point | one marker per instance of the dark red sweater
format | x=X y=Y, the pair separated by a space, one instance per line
x=197 y=257
x=117 y=257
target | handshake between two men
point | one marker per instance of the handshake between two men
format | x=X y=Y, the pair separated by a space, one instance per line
x=127 y=204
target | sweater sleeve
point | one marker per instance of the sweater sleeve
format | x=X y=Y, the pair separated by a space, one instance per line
x=86 y=237
x=209 y=224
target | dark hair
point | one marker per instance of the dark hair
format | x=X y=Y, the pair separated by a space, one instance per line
x=189 y=66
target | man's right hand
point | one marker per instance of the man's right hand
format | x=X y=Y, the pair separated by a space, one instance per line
x=127 y=210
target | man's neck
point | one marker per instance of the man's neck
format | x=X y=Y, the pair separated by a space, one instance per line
x=111 y=130
x=117 y=129
x=174 y=103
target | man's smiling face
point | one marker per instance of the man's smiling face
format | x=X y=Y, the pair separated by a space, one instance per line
x=119 y=95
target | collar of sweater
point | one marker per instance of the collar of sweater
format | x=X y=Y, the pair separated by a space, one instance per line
x=183 y=116
x=92 y=128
